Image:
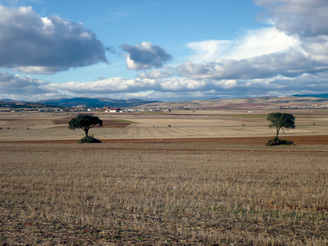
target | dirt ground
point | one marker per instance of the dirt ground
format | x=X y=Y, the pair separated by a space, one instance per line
x=208 y=179
x=215 y=126
x=298 y=140
x=215 y=191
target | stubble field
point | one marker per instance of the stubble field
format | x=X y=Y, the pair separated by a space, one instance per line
x=168 y=191
x=179 y=124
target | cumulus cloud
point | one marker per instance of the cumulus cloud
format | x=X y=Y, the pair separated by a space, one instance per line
x=158 y=74
x=292 y=63
x=122 y=85
x=104 y=86
x=316 y=48
x=285 y=86
x=261 y=42
x=188 y=88
x=290 y=56
x=253 y=43
x=145 y=56
x=295 y=45
x=38 y=44
x=304 y=18
x=24 y=87
x=17 y=84
x=20 y=87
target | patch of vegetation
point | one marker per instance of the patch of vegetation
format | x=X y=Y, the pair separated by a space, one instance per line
x=85 y=122
x=280 y=121
x=278 y=141
x=89 y=139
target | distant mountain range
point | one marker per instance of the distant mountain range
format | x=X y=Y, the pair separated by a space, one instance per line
x=87 y=102
x=7 y=100
x=262 y=102
x=312 y=95
x=95 y=102
x=248 y=103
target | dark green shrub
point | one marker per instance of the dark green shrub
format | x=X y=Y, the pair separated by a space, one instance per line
x=278 y=141
x=85 y=122
x=89 y=140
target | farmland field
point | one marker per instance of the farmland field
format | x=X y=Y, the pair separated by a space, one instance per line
x=181 y=124
x=171 y=187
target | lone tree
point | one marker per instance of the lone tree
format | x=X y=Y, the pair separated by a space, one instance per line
x=85 y=122
x=280 y=121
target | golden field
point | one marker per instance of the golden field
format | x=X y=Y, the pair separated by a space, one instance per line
x=168 y=190
x=184 y=124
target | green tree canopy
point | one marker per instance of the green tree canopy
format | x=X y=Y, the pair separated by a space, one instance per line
x=85 y=122
x=281 y=120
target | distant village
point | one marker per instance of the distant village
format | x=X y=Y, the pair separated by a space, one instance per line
x=31 y=107
x=36 y=107
x=310 y=106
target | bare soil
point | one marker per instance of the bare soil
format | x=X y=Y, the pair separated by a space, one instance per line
x=298 y=140
x=172 y=188
x=163 y=192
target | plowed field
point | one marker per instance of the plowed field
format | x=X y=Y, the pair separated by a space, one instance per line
x=163 y=192
x=298 y=140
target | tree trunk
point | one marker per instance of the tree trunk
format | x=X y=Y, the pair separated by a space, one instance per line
x=86 y=132
x=278 y=129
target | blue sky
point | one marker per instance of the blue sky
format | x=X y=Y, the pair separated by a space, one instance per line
x=162 y=50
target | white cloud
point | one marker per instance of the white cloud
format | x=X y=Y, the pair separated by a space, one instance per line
x=254 y=43
x=20 y=87
x=288 y=58
x=261 y=42
x=157 y=74
x=36 y=44
x=300 y=17
x=227 y=84
x=208 y=50
x=17 y=84
x=104 y=86
x=181 y=84
x=316 y=48
x=292 y=63
x=271 y=58
x=145 y=56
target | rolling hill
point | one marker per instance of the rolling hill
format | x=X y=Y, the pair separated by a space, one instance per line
x=244 y=103
x=94 y=102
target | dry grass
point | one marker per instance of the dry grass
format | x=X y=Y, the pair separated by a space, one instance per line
x=163 y=194
x=202 y=124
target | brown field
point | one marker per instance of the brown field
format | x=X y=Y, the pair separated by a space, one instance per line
x=180 y=190
x=183 y=124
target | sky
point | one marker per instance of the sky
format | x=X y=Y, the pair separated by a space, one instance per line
x=165 y=50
